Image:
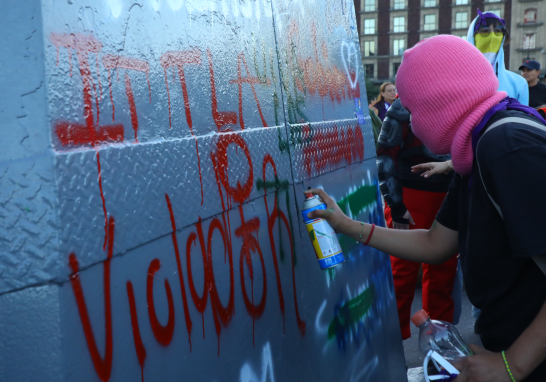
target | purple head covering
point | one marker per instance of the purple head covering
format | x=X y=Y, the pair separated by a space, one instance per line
x=481 y=20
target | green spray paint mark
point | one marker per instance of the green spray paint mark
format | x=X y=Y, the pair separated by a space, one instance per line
x=281 y=185
x=356 y=202
x=276 y=184
x=331 y=273
x=351 y=312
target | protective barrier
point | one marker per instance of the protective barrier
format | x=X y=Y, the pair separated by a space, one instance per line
x=152 y=166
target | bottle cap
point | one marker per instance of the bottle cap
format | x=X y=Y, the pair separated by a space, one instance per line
x=308 y=195
x=420 y=317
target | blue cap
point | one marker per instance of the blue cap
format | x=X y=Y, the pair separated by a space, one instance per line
x=530 y=64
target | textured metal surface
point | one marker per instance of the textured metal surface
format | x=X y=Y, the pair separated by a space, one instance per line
x=153 y=184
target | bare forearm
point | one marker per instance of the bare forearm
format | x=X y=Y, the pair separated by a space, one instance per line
x=415 y=245
x=529 y=350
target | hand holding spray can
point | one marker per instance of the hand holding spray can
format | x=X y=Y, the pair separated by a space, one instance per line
x=322 y=235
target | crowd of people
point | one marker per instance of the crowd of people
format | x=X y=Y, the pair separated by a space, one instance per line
x=461 y=155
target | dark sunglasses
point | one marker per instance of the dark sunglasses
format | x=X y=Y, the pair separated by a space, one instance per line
x=484 y=32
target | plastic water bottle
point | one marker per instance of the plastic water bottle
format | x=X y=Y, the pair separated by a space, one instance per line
x=440 y=336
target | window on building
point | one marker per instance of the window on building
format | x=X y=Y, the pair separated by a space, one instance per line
x=529 y=41
x=461 y=20
x=369 y=5
x=398 y=47
x=430 y=22
x=369 y=26
x=429 y=3
x=369 y=70
x=399 y=24
x=530 y=16
x=395 y=68
x=399 y=4
x=461 y=2
x=369 y=48
x=495 y=11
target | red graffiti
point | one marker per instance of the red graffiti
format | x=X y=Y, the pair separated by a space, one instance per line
x=322 y=148
x=239 y=193
x=179 y=265
x=251 y=81
x=162 y=333
x=316 y=77
x=221 y=118
x=85 y=44
x=113 y=62
x=103 y=367
x=200 y=302
x=132 y=106
x=250 y=243
x=180 y=59
x=77 y=134
x=278 y=214
x=139 y=346
x=221 y=314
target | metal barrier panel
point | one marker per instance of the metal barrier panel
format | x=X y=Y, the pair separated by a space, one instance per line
x=152 y=171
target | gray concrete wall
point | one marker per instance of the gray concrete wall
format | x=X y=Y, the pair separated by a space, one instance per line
x=151 y=181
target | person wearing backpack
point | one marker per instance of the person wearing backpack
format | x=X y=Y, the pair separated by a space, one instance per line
x=494 y=212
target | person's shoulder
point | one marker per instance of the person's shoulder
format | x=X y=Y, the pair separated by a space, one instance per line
x=511 y=135
x=516 y=77
x=541 y=86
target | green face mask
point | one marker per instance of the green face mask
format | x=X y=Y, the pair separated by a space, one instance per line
x=488 y=44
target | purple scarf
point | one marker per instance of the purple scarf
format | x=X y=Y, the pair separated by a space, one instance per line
x=482 y=22
x=506 y=104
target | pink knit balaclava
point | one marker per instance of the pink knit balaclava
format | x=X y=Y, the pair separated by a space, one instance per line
x=447 y=85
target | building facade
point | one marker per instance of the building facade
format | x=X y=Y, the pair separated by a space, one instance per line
x=528 y=32
x=388 y=27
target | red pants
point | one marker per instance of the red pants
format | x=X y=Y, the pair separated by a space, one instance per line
x=437 y=279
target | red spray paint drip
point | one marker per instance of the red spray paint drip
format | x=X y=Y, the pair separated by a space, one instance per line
x=179 y=59
x=221 y=118
x=224 y=313
x=180 y=274
x=163 y=333
x=132 y=106
x=270 y=224
x=200 y=302
x=251 y=81
x=85 y=44
x=139 y=346
x=115 y=62
x=103 y=367
x=250 y=243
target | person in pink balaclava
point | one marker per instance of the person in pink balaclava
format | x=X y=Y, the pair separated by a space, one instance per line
x=493 y=214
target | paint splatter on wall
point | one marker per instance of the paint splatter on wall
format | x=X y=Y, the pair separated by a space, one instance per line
x=159 y=212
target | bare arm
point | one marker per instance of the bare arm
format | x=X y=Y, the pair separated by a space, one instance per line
x=433 y=246
x=529 y=350
x=433 y=168
x=524 y=356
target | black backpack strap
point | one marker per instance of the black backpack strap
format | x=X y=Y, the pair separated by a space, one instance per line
x=541 y=259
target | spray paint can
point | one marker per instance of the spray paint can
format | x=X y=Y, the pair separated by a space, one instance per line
x=322 y=235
